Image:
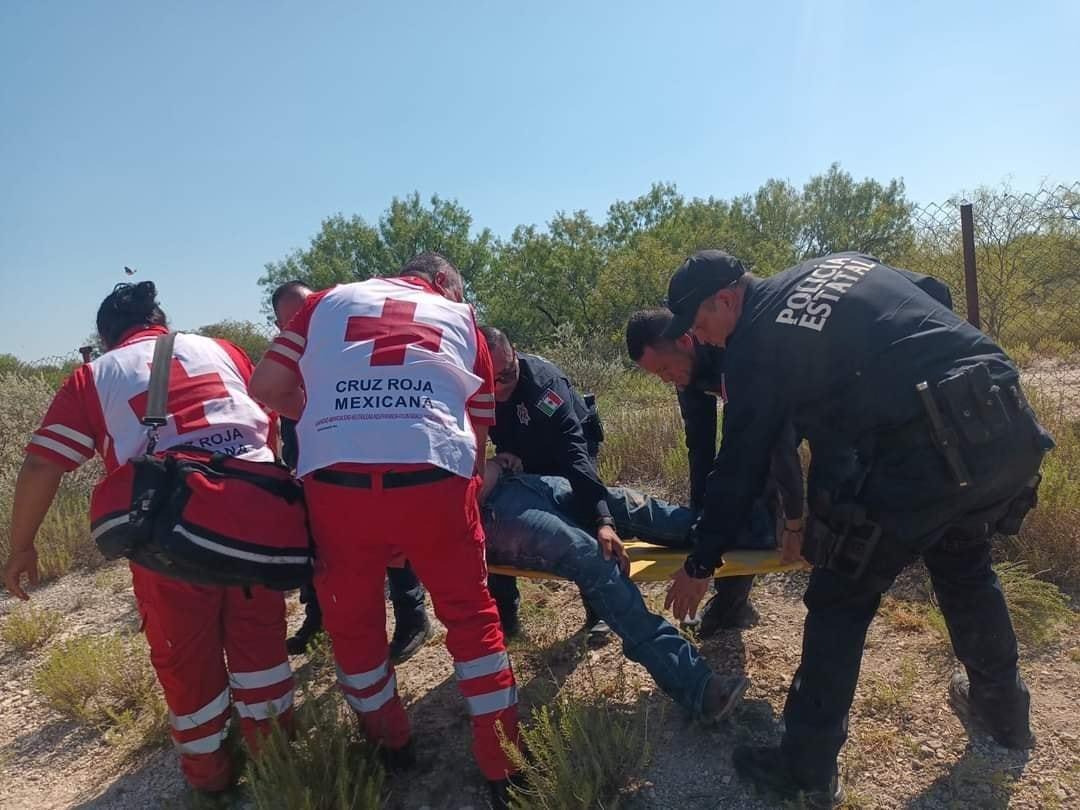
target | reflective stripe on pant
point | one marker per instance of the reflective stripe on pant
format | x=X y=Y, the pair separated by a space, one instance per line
x=437 y=525
x=189 y=627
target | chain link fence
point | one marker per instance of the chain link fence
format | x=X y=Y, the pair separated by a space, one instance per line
x=1017 y=278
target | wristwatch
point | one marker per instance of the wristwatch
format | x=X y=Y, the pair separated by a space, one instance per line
x=605 y=521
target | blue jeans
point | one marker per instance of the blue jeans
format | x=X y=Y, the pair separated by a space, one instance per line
x=527 y=527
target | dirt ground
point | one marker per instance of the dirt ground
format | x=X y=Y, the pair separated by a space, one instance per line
x=907 y=749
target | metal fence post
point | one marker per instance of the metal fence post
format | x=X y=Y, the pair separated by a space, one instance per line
x=971 y=281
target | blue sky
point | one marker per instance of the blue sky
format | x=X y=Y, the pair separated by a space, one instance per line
x=196 y=141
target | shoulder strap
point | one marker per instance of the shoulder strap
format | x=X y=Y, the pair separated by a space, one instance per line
x=157 y=400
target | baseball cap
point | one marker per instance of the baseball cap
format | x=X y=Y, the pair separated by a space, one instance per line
x=702 y=275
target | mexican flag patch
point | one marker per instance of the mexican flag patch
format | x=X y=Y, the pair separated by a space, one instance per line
x=549 y=403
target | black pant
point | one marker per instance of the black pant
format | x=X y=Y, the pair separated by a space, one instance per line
x=920 y=509
x=840 y=611
x=406 y=595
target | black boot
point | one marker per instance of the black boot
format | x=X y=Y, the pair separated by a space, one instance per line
x=409 y=636
x=501 y=790
x=767 y=770
x=510 y=621
x=396 y=760
x=729 y=608
x=1018 y=738
x=298 y=643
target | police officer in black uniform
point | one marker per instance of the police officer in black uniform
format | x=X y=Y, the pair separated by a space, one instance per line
x=411 y=625
x=949 y=453
x=697 y=372
x=543 y=422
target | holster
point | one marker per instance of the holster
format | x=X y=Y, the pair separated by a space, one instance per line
x=841 y=538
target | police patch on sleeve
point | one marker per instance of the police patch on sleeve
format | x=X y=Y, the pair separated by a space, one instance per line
x=549 y=403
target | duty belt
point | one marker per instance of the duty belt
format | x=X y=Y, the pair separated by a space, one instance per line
x=390 y=480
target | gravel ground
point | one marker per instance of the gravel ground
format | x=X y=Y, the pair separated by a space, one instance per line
x=906 y=749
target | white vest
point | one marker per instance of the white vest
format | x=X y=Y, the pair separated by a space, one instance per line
x=209 y=406
x=388 y=370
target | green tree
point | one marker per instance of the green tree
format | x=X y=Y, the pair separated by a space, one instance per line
x=250 y=337
x=353 y=250
x=842 y=214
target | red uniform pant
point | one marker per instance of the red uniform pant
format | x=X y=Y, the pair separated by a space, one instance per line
x=188 y=627
x=437 y=526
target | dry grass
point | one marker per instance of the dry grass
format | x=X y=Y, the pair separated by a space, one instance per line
x=888 y=695
x=28 y=627
x=106 y=682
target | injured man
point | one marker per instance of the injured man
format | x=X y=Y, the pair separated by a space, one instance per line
x=529 y=524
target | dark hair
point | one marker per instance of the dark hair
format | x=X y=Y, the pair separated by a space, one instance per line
x=128 y=306
x=427 y=264
x=646 y=329
x=285 y=289
x=496 y=338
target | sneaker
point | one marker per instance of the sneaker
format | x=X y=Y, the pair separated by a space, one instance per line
x=597 y=631
x=397 y=760
x=408 y=638
x=767 y=770
x=298 y=643
x=960 y=700
x=722 y=695
x=719 y=614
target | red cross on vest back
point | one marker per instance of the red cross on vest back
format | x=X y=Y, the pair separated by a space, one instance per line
x=394 y=332
x=187 y=397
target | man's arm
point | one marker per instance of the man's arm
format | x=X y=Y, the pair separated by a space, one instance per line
x=786 y=469
x=699 y=422
x=277 y=386
x=35 y=488
x=589 y=491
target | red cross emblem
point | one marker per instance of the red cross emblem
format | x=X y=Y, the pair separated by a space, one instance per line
x=393 y=332
x=187 y=397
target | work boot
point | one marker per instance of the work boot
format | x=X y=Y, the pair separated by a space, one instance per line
x=511 y=623
x=722 y=695
x=408 y=638
x=396 y=760
x=1018 y=739
x=596 y=629
x=767 y=770
x=719 y=614
x=298 y=643
x=500 y=790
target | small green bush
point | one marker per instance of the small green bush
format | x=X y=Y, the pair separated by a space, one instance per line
x=326 y=766
x=29 y=627
x=107 y=683
x=582 y=754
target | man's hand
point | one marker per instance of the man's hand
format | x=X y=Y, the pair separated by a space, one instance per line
x=685 y=594
x=791 y=541
x=509 y=462
x=19 y=563
x=612 y=546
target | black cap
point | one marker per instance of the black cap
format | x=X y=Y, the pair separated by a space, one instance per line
x=702 y=275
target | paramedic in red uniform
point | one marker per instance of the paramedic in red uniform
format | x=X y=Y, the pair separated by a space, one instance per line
x=192 y=629
x=392 y=384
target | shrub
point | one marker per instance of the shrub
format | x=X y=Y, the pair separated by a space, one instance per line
x=28 y=627
x=582 y=754
x=107 y=683
x=325 y=767
x=1039 y=611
